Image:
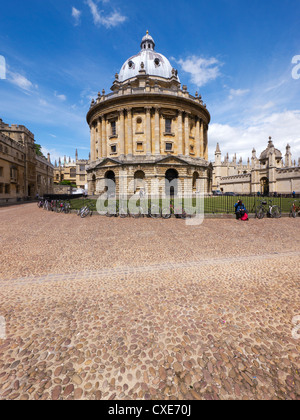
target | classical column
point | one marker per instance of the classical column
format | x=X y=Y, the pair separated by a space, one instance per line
x=202 y=139
x=180 y=132
x=108 y=133
x=93 y=141
x=197 y=138
x=205 y=142
x=186 y=134
x=129 y=131
x=157 y=132
x=104 y=141
x=122 y=133
x=148 y=131
x=99 y=138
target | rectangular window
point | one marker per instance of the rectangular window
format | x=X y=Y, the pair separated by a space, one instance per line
x=168 y=125
x=7 y=189
x=113 y=128
x=169 y=147
x=1 y=188
x=1 y=170
x=114 y=149
x=139 y=147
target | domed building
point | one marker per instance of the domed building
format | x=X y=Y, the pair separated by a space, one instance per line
x=148 y=129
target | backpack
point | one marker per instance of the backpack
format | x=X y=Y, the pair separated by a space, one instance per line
x=244 y=217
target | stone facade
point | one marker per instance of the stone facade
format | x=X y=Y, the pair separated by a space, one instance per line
x=148 y=130
x=22 y=172
x=268 y=174
x=73 y=171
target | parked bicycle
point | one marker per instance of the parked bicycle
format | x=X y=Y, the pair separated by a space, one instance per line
x=85 y=211
x=267 y=209
x=295 y=209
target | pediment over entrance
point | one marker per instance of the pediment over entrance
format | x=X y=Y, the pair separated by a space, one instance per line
x=106 y=163
x=172 y=160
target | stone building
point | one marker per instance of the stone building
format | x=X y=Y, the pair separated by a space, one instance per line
x=269 y=173
x=150 y=129
x=22 y=172
x=73 y=171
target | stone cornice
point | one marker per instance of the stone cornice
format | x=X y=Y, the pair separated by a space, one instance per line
x=146 y=99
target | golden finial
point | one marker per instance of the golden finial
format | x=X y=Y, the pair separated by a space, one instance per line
x=147 y=32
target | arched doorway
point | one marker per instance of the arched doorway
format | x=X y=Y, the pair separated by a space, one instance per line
x=171 y=182
x=264 y=185
x=195 y=178
x=110 y=183
x=139 y=181
x=93 y=184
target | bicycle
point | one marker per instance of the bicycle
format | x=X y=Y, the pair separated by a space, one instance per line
x=265 y=208
x=295 y=209
x=85 y=211
x=179 y=212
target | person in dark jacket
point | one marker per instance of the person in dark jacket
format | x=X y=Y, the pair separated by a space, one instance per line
x=240 y=209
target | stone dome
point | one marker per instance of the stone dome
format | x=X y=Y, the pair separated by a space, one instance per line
x=153 y=63
x=265 y=154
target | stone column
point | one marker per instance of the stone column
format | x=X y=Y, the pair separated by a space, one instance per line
x=108 y=133
x=129 y=131
x=104 y=139
x=157 y=132
x=186 y=135
x=180 y=133
x=99 y=138
x=205 y=142
x=197 y=138
x=122 y=133
x=148 y=131
x=202 y=139
x=93 y=141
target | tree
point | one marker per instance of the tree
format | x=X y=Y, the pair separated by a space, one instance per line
x=38 y=150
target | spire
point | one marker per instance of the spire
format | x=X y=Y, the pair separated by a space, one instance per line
x=218 y=149
x=76 y=155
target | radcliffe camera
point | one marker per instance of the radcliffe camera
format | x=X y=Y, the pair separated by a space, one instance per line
x=149 y=203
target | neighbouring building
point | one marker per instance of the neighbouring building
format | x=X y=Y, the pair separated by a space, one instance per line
x=22 y=172
x=270 y=173
x=150 y=129
x=73 y=171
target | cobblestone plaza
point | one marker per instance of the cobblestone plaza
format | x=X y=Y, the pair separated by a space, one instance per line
x=110 y=308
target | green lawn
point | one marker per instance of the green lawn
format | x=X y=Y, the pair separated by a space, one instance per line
x=218 y=204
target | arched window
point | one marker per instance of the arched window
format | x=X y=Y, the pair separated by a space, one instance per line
x=195 y=178
x=139 y=181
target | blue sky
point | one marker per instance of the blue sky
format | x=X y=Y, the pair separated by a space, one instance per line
x=236 y=53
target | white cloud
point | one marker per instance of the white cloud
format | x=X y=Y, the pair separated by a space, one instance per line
x=76 y=14
x=60 y=97
x=238 y=92
x=21 y=81
x=283 y=127
x=109 y=21
x=202 y=70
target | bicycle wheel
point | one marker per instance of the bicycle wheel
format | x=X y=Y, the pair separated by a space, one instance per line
x=275 y=212
x=85 y=213
x=123 y=213
x=137 y=213
x=155 y=211
x=166 y=213
x=293 y=212
x=259 y=213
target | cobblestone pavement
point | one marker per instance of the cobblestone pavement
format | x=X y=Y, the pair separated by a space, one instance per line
x=148 y=309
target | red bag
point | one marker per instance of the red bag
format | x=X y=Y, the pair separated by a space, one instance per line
x=245 y=217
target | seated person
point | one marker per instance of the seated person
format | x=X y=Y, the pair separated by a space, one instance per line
x=240 y=209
